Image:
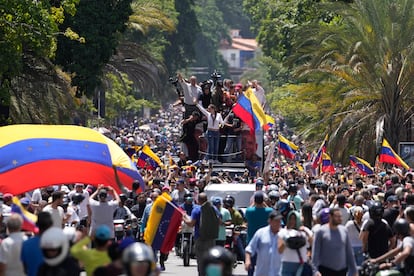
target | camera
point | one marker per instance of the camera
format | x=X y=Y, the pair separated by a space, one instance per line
x=174 y=81
x=215 y=76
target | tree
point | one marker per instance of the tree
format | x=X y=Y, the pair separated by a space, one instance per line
x=100 y=22
x=27 y=28
x=363 y=61
x=181 y=52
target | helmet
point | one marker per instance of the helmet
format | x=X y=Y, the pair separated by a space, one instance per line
x=228 y=201
x=221 y=256
x=274 y=195
x=123 y=197
x=138 y=252
x=376 y=210
x=188 y=196
x=54 y=238
x=259 y=182
x=324 y=216
x=401 y=227
x=77 y=198
x=293 y=188
x=283 y=206
x=273 y=187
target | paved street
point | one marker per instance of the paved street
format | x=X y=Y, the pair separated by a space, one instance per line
x=174 y=266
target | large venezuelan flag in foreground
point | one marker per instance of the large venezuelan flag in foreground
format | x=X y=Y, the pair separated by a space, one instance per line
x=163 y=223
x=33 y=156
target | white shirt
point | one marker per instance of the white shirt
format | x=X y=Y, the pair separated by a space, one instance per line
x=353 y=233
x=291 y=255
x=57 y=215
x=10 y=249
x=102 y=213
x=83 y=206
x=211 y=124
x=190 y=92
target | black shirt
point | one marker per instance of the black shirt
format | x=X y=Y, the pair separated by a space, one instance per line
x=379 y=234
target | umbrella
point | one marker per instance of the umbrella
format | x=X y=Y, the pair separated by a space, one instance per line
x=34 y=156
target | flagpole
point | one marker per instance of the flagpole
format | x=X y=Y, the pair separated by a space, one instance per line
x=173 y=205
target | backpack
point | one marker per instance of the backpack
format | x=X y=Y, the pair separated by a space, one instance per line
x=209 y=222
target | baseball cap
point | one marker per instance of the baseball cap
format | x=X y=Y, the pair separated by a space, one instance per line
x=392 y=198
x=103 y=232
x=7 y=196
x=217 y=201
x=25 y=201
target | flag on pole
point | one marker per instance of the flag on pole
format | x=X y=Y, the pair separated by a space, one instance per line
x=327 y=165
x=163 y=223
x=363 y=166
x=286 y=147
x=148 y=159
x=388 y=155
x=317 y=158
x=250 y=111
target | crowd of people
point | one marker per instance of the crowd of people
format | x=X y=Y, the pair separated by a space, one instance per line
x=299 y=222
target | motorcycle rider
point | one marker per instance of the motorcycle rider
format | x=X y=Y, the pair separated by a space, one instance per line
x=139 y=260
x=188 y=206
x=376 y=235
x=217 y=261
x=238 y=222
x=403 y=254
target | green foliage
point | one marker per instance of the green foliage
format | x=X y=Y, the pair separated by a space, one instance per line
x=181 y=49
x=100 y=22
x=121 y=99
x=235 y=17
x=363 y=64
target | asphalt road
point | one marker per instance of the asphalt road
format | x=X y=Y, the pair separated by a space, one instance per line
x=174 y=266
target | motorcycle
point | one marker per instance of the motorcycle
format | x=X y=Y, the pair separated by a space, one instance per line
x=185 y=244
x=369 y=269
x=232 y=233
x=119 y=229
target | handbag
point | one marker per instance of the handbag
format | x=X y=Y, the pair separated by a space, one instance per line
x=305 y=268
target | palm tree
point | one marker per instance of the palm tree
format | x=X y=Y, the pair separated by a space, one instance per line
x=364 y=63
x=141 y=66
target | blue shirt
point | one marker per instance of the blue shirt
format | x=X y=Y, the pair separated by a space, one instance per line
x=195 y=215
x=31 y=255
x=264 y=245
x=256 y=218
x=145 y=217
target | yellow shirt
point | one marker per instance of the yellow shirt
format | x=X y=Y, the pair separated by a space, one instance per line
x=90 y=257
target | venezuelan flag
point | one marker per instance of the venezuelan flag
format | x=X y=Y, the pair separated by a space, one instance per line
x=327 y=165
x=286 y=147
x=148 y=159
x=249 y=110
x=388 y=155
x=318 y=157
x=163 y=223
x=34 y=156
x=363 y=166
x=270 y=122
x=29 y=219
